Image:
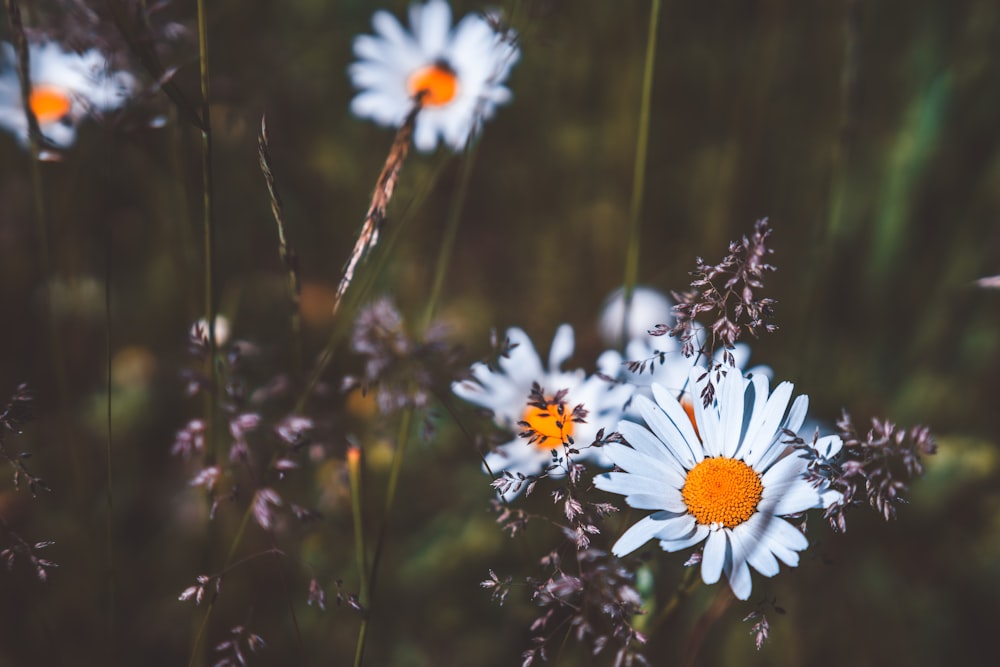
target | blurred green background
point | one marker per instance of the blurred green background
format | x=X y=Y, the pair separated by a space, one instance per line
x=867 y=132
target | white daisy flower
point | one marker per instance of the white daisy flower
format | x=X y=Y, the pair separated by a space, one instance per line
x=506 y=392
x=649 y=307
x=665 y=364
x=66 y=88
x=726 y=480
x=455 y=75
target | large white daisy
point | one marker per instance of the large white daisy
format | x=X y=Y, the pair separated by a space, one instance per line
x=456 y=76
x=726 y=480
x=66 y=88
x=506 y=392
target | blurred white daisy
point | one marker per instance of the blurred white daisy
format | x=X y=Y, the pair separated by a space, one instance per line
x=66 y=88
x=456 y=76
x=727 y=484
x=649 y=307
x=650 y=360
x=506 y=392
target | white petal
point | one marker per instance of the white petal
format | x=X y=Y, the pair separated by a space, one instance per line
x=783 y=472
x=739 y=576
x=562 y=347
x=670 y=502
x=633 y=461
x=732 y=390
x=762 y=434
x=643 y=441
x=698 y=533
x=714 y=556
x=671 y=424
x=378 y=106
x=797 y=414
x=784 y=540
x=706 y=418
x=425 y=135
x=430 y=24
x=640 y=533
x=522 y=364
x=798 y=497
x=829 y=446
x=387 y=26
x=751 y=536
x=628 y=484
x=676 y=528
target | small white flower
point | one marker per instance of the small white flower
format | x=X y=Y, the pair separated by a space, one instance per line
x=506 y=393
x=455 y=75
x=66 y=88
x=726 y=480
x=665 y=363
x=649 y=307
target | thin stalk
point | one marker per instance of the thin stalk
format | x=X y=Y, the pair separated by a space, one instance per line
x=208 y=233
x=639 y=170
x=211 y=602
x=41 y=216
x=108 y=452
x=688 y=583
x=360 y=547
x=285 y=250
x=357 y=513
x=448 y=240
x=208 y=228
x=390 y=497
x=696 y=636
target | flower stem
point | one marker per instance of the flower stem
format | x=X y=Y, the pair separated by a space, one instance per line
x=639 y=170
x=448 y=240
x=689 y=582
x=287 y=253
x=390 y=497
x=354 y=473
x=208 y=229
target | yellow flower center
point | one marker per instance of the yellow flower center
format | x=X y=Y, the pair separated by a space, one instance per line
x=722 y=491
x=49 y=103
x=554 y=426
x=435 y=85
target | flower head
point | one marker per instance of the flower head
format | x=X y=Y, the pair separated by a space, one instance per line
x=728 y=483
x=648 y=308
x=655 y=359
x=66 y=88
x=455 y=75
x=523 y=391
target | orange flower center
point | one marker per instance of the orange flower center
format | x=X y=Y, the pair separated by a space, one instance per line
x=49 y=103
x=553 y=424
x=722 y=491
x=435 y=85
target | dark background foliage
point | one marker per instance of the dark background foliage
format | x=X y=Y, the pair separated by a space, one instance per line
x=865 y=131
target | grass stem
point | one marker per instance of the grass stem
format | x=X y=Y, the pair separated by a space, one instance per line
x=639 y=170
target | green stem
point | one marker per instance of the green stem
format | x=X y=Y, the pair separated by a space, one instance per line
x=354 y=473
x=56 y=353
x=448 y=240
x=109 y=450
x=390 y=497
x=208 y=228
x=639 y=170
x=688 y=583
